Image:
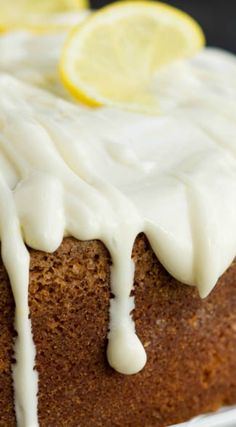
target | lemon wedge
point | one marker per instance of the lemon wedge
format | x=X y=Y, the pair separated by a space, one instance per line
x=38 y=15
x=112 y=58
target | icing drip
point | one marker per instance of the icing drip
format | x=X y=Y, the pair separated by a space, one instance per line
x=125 y=352
x=109 y=175
x=16 y=261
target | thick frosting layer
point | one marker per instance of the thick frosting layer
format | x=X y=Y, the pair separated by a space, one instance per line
x=107 y=174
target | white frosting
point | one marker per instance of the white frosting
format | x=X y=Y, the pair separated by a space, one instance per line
x=225 y=417
x=107 y=174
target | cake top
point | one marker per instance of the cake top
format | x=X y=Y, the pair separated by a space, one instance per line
x=150 y=166
x=110 y=174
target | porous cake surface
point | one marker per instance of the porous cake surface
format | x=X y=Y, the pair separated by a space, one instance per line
x=191 y=353
x=77 y=186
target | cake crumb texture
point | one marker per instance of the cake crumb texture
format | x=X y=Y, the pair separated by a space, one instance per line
x=7 y=307
x=190 y=343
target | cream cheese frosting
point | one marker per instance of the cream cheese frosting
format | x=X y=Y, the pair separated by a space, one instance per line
x=108 y=174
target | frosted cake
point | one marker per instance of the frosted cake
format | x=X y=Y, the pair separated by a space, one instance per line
x=94 y=202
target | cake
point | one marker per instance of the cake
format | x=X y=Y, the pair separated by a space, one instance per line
x=94 y=202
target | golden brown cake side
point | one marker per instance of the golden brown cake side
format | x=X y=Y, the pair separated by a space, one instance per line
x=7 y=306
x=190 y=343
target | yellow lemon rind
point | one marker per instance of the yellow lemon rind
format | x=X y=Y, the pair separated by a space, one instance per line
x=81 y=91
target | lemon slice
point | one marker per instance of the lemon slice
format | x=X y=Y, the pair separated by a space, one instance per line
x=38 y=15
x=112 y=58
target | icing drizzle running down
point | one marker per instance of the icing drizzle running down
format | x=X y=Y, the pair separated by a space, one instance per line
x=108 y=175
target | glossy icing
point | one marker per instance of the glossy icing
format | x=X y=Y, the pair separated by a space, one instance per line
x=109 y=174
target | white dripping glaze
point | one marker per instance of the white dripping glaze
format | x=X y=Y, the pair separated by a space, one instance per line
x=67 y=170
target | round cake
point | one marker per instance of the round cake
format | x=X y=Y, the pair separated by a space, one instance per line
x=117 y=288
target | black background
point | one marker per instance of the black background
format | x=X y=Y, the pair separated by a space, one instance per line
x=217 y=18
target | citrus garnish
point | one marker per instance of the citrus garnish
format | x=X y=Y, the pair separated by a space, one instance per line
x=113 y=56
x=37 y=15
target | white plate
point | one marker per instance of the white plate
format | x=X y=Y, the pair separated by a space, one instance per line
x=226 y=417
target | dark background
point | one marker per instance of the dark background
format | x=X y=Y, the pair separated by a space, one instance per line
x=217 y=18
